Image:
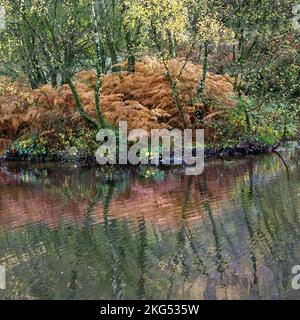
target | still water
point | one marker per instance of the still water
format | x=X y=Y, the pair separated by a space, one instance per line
x=148 y=233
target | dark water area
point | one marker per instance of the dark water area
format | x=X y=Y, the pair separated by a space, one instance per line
x=147 y=233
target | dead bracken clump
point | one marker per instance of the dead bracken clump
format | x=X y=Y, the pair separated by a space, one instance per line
x=144 y=99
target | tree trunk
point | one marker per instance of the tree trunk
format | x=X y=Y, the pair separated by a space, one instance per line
x=130 y=57
x=172 y=52
x=201 y=86
x=131 y=64
x=79 y=106
x=113 y=53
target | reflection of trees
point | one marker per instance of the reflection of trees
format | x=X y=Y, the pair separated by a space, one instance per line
x=209 y=211
x=269 y=216
x=214 y=235
x=117 y=279
x=270 y=227
x=246 y=199
x=142 y=258
x=184 y=241
x=220 y=261
x=105 y=194
x=180 y=252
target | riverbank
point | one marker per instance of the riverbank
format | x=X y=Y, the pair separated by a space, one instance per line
x=248 y=148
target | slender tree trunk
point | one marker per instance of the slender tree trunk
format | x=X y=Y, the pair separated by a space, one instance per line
x=131 y=64
x=201 y=86
x=131 y=56
x=176 y=96
x=79 y=106
x=99 y=67
x=113 y=52
x=172 y=52
x=98 y=104
x=298 y=133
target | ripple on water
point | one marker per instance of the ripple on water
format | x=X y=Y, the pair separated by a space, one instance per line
x=148 y=233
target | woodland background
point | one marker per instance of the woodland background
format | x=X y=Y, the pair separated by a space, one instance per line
x=71 y=67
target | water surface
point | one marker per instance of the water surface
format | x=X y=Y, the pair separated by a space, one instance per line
x=147 y=233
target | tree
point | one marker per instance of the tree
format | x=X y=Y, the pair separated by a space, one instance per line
x=160 y=22
x=206 y=28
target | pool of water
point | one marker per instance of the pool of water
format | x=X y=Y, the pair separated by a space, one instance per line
x=147 y=233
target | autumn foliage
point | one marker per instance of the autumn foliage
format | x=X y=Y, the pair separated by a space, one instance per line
x=144 y=99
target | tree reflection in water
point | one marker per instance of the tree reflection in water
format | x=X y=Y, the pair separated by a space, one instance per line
x=147 y=233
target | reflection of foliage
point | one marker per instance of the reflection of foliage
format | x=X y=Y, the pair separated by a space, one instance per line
x=234 y=237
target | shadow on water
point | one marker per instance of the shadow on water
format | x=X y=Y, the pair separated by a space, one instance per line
x=146 y=233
